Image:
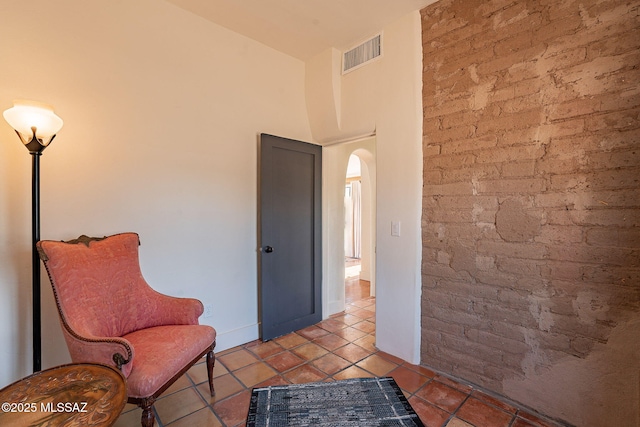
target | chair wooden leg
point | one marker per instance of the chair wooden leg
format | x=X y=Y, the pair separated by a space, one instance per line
x=148 y=418
x=211 y=360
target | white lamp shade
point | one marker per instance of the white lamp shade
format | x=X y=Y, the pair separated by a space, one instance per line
x=27 y=114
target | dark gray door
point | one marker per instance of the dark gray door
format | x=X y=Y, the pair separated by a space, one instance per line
x=290 y=235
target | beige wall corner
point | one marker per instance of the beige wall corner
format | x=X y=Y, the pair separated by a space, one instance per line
x=323 y=94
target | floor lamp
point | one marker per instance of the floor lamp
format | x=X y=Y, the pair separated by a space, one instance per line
x=36 y=125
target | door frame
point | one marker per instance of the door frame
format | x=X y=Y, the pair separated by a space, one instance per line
x=335 y=160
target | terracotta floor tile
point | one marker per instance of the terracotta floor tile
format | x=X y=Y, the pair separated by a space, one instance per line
x=430 y=415
x=377 y=365
x=180 y=384
x=252 y=344
x=521 y=422
x=352 y=372
x=442 y=396
x=365 y=326
x=365 y=302
x=291 y=340
x=304 y=374
x=407 y=379
x=312 y=332
x=225 y=386
x=457 y=422
x=277 y=380
x=131 y=419
x=349 y=319
x=237 y=359
x=265 y=349
x=493 y=401
x=331 y=325
x=352 y=353
x=356 y=290
x=330 y=363
x=363 y=313
x=453 y=384
x=310 y=351
x=480 y=413
x=219 y=369
x=129 y=407
x=284 y=361
x=223 y=352
x=198 y=373
x=368 y=342
x=254 y=374
x=178 y=405
x=331 y=342
x=420 y=369
x=350 y=333
x=203 y=417
x=390 y=357
x=348 y=309
x=233 y=411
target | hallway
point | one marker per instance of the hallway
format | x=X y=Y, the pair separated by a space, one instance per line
x=340 y=347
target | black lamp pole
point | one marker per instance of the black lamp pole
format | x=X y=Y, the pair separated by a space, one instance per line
x=36 y=148
x=35 y=260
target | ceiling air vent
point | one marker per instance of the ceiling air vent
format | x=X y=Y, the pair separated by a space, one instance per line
x=362 y=54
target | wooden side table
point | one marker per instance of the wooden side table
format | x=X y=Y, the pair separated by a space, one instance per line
x=68 y=395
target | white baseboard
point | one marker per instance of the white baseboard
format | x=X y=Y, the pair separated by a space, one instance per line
x=334 y=307
x=236 y=337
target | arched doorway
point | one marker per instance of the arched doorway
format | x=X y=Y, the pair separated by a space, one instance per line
x=358 y=230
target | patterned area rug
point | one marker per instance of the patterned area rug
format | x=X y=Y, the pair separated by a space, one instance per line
x=353 y=402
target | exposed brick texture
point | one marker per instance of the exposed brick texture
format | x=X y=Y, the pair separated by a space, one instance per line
x=531 y=201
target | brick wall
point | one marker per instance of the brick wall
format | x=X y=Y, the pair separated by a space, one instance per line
x=531 y=201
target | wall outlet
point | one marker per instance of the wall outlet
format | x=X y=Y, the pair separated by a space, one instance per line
x=395 y=228
x=208 y=310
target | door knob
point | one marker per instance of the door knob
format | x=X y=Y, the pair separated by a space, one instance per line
x=268 y=249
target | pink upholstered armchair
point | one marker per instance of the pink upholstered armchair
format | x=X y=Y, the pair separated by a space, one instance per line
x=110 y=315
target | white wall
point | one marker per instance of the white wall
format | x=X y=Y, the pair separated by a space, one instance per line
x=162 y=111
x=384 y=97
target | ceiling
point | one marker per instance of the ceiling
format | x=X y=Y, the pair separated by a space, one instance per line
x=303 y=28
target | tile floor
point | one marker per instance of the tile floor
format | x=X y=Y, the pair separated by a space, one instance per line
x=340 y=347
